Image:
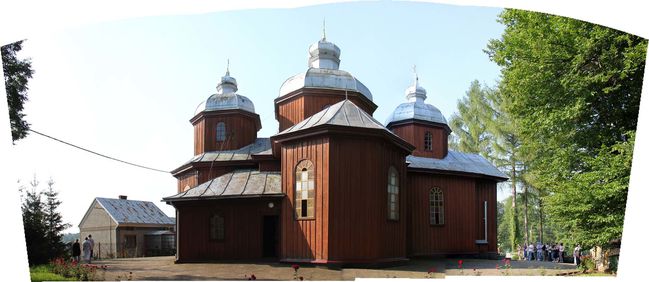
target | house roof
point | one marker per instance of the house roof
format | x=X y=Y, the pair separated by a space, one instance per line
x=343 y=113
x=259 y=146
x=237 y=184
x=458 y=162
x=134 y=212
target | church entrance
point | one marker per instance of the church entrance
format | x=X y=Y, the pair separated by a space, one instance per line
x=270 y=236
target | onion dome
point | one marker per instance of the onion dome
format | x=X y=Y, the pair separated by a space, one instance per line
x=323 y=72
x=416 y=108
x=226 y=97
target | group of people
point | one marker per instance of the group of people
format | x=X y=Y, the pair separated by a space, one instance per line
x=545 y=252
x=87 y=246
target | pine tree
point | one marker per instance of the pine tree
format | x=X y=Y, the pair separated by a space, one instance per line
x=54 y=225
x=33 y=222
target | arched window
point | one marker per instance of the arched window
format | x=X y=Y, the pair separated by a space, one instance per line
x=217 y=227
x=428 y=141
x=436 y=206
x=393 y=194
x=304 y=190
x=220 y=131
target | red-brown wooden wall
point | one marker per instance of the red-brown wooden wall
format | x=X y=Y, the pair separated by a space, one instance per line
x=241 y=130
x=243 y=229
x=360 y=230
x=463 y=219
x=305 y=240
x=308 y=102
x=414 y=133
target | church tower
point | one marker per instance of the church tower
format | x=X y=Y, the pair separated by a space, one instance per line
x=322 y=85
x=421 y=124
x=226 y=120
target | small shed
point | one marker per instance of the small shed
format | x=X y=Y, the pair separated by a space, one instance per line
x=123 y=228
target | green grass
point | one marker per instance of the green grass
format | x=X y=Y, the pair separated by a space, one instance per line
x=43 y=273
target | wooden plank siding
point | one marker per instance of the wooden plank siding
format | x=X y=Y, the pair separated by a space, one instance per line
x=486 y=191
x=307 y=102
x=243 y=220
x=414 y=134
x=241 y=130
x=305 y=239
x=458 y=233
x=359 y=228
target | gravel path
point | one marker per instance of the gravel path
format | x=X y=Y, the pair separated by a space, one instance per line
x=164 y=268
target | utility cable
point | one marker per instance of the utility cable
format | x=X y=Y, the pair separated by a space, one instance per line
x=98 y=154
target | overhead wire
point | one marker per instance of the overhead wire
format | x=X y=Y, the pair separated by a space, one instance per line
x=98 y=154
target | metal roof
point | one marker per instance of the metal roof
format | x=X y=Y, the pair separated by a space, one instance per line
x=458 y=162
x=343 y=113
x=236 y=184
x=326 y=79
x=260 y=146
x=226 y=97
x=416 y=108
x=134 y=212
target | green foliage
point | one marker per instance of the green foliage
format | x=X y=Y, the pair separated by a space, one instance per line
x=17 y=73
x=44 y=273
x=42 y=223
x=468 y=124
x=572 y=90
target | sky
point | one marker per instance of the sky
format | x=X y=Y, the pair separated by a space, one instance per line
x=128 y=88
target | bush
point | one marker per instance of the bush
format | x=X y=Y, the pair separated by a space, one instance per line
x=82 y=272
x=587 y=264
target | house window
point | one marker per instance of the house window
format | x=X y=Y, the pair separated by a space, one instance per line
x=428 y=141
x=220 y=131
x=436 y=206
x=304 y=190
x=217 y=227
x=393 y=194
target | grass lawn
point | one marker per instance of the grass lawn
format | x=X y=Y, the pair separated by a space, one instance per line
x=43 y=273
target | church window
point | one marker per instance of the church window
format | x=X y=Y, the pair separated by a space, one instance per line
x=436 y=206
x=393 y=194
x=428 y=141
x=304 y=190
x=220 y=131
x=217 y=227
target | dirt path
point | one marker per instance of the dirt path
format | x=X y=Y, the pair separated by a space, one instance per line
x=164 y=268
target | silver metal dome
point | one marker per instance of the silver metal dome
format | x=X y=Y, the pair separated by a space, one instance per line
x=324 y=78
x=416 y=108
x=324 y=72
x=226 y=97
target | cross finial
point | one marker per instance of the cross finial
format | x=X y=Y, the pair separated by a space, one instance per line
x=227 y=70
x=324 y=33
x=414 y=71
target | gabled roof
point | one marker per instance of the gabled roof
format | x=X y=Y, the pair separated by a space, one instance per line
x=131 y=212
x=236 y=184
x=458 y=162
x=343 y=113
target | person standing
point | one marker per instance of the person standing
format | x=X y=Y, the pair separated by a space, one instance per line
x=577 y=255
x=86 y=250
x=76 y=251
x=92 y=246
x=561 y=250
x=530 y=252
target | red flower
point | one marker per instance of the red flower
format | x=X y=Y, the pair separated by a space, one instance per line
x=497 y=266
x=459 y=263
x=432 y=270
x=301 y=278
x=295 y=267
x=253 y=277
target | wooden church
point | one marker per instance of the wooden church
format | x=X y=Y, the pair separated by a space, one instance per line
x=334 y=186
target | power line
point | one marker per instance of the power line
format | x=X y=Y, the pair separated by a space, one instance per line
x=98 y=154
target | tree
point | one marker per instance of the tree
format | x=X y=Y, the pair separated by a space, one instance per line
x=573 y=89
x=35 y=230
x=54 y=222
x=468 y=124
x=17 y=73
x=43 y=223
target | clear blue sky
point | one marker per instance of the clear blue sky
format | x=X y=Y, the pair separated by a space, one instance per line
x=128 y=89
